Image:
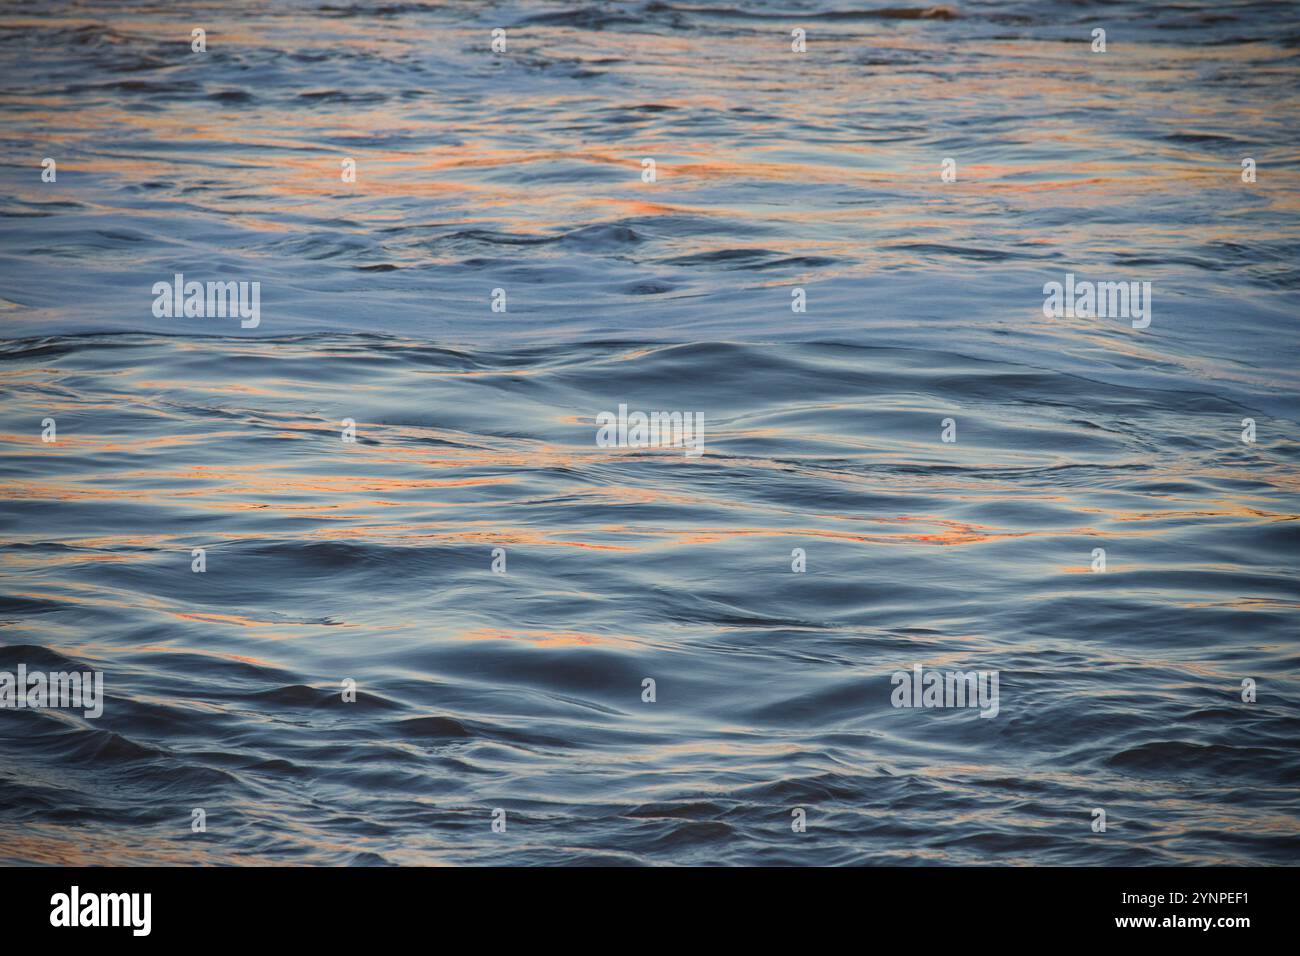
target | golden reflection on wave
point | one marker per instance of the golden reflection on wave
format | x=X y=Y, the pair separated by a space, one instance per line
x=548 y=638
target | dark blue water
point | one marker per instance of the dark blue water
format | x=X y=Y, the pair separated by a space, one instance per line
x=372 y=561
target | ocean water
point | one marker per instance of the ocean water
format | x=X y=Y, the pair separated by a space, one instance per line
x=373 y=561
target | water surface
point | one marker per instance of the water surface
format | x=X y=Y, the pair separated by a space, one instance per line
x=476 y=430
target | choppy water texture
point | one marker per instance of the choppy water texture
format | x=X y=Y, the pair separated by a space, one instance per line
x=523 y=691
